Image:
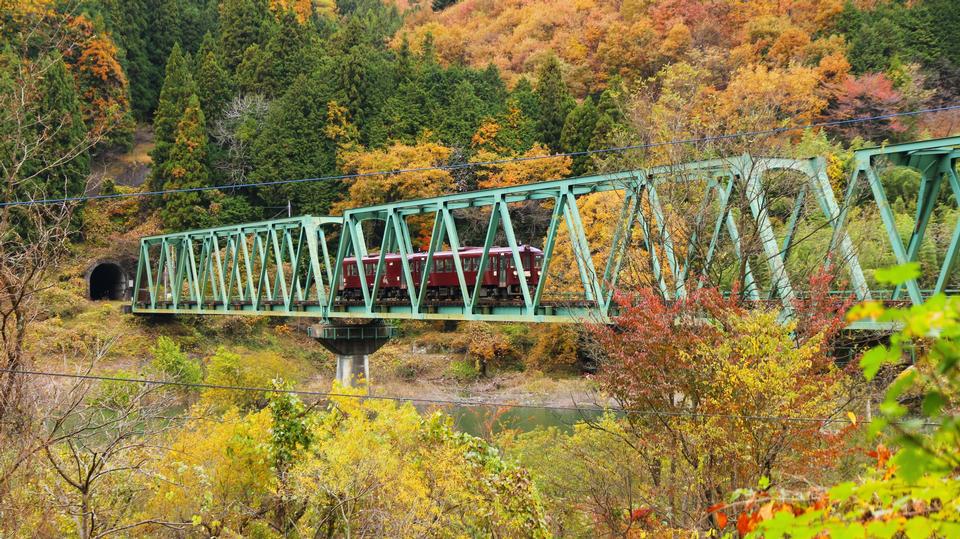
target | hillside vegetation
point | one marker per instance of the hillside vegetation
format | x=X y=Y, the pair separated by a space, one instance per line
x=709 y=416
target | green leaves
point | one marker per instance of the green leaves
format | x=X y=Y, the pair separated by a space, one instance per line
x=877 y=357
x=898 y=275
x=933 y=403
x=842 y=491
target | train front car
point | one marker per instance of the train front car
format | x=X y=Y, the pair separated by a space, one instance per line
x=500 y=278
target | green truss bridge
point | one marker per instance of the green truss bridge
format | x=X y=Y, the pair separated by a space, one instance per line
x=767 y=223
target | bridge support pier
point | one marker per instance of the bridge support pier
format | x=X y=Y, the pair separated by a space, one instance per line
x=352 y=346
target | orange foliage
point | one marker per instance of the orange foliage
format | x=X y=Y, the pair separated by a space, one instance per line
x=595 y=39
x=306 y=8
x=92 y=57
x=760 y=97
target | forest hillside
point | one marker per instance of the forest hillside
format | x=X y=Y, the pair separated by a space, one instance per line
x=715 y=410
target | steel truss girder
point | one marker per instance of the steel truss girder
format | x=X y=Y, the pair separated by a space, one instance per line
x=935 y=160
x=285 y=268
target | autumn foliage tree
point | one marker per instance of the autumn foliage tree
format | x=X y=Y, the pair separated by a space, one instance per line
x=718 y=386
x=92 y=56
x=909 y=484
x=872 y=94
x=380 y=188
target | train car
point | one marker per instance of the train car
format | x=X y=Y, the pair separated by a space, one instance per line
x=500 y=278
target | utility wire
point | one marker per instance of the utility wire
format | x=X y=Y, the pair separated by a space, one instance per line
x=460 y=166
x=465 y=404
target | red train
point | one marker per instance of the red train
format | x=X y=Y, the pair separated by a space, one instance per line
x=500 y=278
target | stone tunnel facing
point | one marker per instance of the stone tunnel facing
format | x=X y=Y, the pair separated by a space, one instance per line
x=107 y=282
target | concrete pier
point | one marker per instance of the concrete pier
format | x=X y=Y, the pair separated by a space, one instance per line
x=353 y=370
x=352 y=345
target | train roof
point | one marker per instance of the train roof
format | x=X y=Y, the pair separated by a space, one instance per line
x=463 y=250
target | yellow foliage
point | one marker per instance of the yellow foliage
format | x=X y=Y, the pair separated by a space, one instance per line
x=758 y=96
x=377 y=189
x=676 y=42
x=216 y=473
x=520 y=172
x=632 y=38
x=790 y=46
x=555 y=348
x=834 y=68
x=761 y=370
x=383 y=470
x=244 y=368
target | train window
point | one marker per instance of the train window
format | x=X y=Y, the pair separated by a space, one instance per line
x=370 y=268
x=538 y=261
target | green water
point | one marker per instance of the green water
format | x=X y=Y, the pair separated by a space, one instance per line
x=486 y=420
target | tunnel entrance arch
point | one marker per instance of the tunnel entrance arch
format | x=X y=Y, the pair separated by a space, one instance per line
x=106 y=281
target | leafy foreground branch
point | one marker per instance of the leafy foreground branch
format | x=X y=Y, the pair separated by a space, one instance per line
x=912 y=491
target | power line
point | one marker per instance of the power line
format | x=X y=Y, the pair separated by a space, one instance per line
x=445 y=402
x=461 y=166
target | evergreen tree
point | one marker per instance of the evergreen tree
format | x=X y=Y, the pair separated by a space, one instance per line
x=405 y=62
x=462 y=116
x=186 y=169
x=185 y=22
x=554 y=103
x=59 y=102
x=609 y=118
x=271 y=68
x=208 y=44
x=947 y=28
x=603 y=133
x=525 y=98
x=908 y=32
x=131 y=23
x=145 y=31
x=242 y=23
x=366 y=77
x=490 y=86
x=438 y=5
x=294 y=144
x=578 y=132
x=252 y=72
x=178 y=86
x=608 y=102
x=213 y=86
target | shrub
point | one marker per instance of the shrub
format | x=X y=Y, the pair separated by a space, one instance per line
x=555 y=348
x=465 y=371
x=114 y=394
x=169 y=360
x=247 y=369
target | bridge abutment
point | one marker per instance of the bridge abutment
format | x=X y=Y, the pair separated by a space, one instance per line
x=352 y=345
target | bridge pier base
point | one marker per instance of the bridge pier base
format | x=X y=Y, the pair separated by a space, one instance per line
x=353 y=370
x=352 y=345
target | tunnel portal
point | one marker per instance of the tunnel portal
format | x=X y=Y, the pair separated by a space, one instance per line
x=107 y=281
